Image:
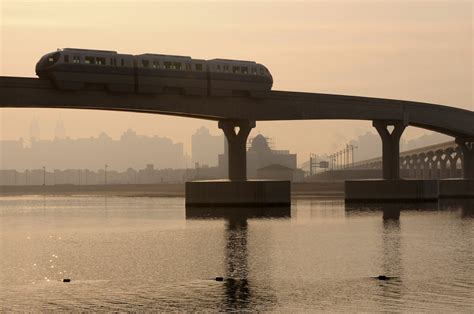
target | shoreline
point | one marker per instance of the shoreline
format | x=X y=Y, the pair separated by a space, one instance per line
x=312 y=189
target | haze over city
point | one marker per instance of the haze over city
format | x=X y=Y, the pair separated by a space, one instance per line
x=401 y=50
x=262 y=201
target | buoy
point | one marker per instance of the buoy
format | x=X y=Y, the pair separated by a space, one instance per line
x=219 y=278
x=383 y=277
x=66 y=280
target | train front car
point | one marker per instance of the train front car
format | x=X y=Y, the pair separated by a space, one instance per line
x=158 y=73
x=75 y=69
x=45 y=66
x=233 y=77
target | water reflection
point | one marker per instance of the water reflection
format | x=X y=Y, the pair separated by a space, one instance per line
x=389 y=209
x=391 y=253
x=391 y=246
x=238 y=213
x=237 y=286
x=237 y=289
x=466 y=206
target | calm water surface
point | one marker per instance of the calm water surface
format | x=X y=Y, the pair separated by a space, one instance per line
x=127 y=253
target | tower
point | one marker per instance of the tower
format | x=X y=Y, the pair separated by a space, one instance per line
x=59 y=131
x=34 y=129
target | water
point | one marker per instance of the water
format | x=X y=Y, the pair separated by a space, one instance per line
x=142 y=254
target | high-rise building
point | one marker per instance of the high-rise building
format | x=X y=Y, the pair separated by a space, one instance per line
x=206 y=147
x=60 y=131
x=34 y=129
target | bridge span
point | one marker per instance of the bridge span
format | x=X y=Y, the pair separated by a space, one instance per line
x=243 y=112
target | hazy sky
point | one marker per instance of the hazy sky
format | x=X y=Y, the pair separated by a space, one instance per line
x=415 y=50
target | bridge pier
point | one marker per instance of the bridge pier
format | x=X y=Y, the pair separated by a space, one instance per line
x=236 y=133
x=390 y=147
x=237 y=191
x=391 y=187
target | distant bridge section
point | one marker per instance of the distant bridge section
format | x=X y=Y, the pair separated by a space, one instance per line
x=438 y=161
x=243 y=112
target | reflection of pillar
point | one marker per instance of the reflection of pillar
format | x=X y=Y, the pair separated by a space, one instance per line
x=236 y=284
x=467 y=148
x=237 y=143
x=391 y=248
x=390 y=147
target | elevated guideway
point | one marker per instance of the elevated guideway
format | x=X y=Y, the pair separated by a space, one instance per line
x=18 y=92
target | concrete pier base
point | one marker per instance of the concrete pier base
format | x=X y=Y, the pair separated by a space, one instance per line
x=238 y=193
x=391 y=190
x=456 y=188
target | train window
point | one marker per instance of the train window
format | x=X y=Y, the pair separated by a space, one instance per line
x=218 y=68
x=53 y=57
x=245 y=70
x=167 y=65
x=145 y=63
x=254 y=71
x=75 y=59
x=198 y=67
x=226 y=68
x=122 y=62
x=89 y=60
x=113 y=61
x=100 y=60
x=156 y=65
x=177 y=65
x=188 y=66
x=66 y=58
x=235 y=69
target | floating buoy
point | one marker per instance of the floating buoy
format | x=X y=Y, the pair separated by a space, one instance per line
x=219 y=278
x=67 y=280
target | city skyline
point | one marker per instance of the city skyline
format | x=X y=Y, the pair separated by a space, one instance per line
x=352 y=48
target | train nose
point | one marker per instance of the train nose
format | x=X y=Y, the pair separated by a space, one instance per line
x=39 y=69
x=41 y=66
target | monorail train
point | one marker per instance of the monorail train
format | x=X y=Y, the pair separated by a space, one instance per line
x=76 y=69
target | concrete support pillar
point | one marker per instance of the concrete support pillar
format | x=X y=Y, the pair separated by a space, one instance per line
x=236 y=133
x=467 y=148
x=430 y=159
x=390 y=147
x=413 y=165
x=442 y=158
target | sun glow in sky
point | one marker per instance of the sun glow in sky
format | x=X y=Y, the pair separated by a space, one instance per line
x=415 y=50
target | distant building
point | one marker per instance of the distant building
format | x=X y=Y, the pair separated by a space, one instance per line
x=34 y=129
x=275 y=172
x=206 y=147
x=131 y=150
x=260 y=155
x=148 y=175
x=60 y=130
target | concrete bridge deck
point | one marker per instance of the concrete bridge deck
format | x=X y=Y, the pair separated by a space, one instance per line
x=16 y=92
